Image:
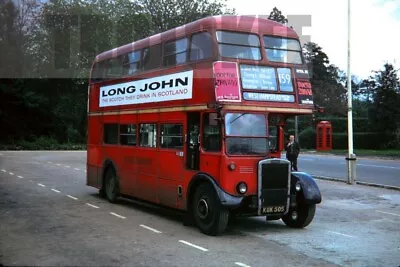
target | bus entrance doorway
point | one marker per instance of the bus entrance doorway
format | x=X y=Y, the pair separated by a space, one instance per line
x=192 y=141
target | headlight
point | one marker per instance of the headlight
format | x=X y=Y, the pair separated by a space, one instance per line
x=241 y=188
x=298 y=186
x=231 y=166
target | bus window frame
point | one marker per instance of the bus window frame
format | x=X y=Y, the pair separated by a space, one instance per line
x=175 y=53
x=220 y=123
x=136 y=135
x=213 y=44
x=159 y=135
x=225 y=136
x=233 y=58
x=303 y=62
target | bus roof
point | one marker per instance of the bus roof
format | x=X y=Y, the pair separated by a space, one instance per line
x=250 y=24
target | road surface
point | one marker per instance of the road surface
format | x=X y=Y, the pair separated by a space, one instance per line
x=377 y=171
x=49 y=217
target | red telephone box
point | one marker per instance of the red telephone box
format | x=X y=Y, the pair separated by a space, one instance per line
x=324 y=136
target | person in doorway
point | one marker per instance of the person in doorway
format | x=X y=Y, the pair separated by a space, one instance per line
x=292 y=152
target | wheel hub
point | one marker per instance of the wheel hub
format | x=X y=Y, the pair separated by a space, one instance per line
x=294 y=215
x=202 y=209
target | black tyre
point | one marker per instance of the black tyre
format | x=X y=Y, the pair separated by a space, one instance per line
x=305 y=214
x=210 y=217
x=111 y=187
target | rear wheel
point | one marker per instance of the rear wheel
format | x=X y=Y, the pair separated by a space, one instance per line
x=300 y=217
x=111 y=185
x=210 y=216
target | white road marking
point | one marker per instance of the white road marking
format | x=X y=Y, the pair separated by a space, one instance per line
x=42 y=185
x=76 y=169
x=3 y=170
x=55 y=190
x=11 y=173
x=122 y=217
x=242 y=264
x=193 y=245
x=72 y=197
x=151 y=229
x=93 y=206
x=58 y=164
x=66 y=166
x=337 y=233
x=379 y=166
x=20 y=177
x=49 y=162
x=304 y=160
x=394 y=214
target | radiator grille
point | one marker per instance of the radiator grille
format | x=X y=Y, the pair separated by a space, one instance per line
x=274 y=175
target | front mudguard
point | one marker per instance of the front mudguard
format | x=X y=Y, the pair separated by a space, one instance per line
x=309 y=188
x=225 y=199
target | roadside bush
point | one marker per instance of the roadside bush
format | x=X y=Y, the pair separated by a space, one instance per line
x=307 y=138
x=41 y=143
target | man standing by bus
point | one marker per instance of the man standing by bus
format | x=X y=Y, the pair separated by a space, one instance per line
x=292 y=152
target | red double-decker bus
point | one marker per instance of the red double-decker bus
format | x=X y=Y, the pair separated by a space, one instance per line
x=193 y=119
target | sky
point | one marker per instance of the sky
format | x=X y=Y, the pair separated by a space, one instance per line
x=375 y=28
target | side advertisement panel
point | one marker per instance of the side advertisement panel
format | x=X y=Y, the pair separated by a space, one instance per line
x=175 y=86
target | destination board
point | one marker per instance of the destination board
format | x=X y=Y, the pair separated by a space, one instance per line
x=258 y=78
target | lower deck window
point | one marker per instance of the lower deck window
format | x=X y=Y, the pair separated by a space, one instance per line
x=127 y=134
x=148 y=135
x=111 y=133
x=171 y=136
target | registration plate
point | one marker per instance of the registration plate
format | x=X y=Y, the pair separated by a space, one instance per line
x=273 y=209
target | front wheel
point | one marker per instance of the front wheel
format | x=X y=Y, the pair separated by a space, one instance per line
x=210 y=216
x=300 y=217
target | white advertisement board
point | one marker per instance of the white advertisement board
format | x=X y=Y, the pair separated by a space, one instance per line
x=175 y=86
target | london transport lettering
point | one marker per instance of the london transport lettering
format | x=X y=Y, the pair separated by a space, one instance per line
x=175 y=86
x=226 y=81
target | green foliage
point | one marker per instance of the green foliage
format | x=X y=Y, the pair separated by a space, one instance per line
x=361 y=140
x=385 y=113
x=41 y=143
x=276 y=15
x=46 y=52
x=307 y=138
x=169 y=14
x=326 y=80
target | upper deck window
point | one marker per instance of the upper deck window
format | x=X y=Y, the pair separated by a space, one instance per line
x=175 y=52
x=131 y=63
x=114 y=67
x=98 y=72
x=201 y=46
x=279 y=49
x=239 y=45
x=151 y=57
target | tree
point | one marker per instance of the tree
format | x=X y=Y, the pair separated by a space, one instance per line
x=276 y=15
x=53 y=46
x=385 y=113
x=328 y=91
x=168 y=14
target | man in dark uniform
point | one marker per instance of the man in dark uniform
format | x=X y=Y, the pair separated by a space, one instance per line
x=292 y=152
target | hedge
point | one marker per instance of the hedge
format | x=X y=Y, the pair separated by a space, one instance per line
x=361 y=140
